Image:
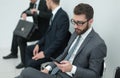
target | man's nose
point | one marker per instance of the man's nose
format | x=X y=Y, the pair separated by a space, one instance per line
x=75 y=26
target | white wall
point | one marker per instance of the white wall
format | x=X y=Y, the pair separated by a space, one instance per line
x=106 y=23
x=10 y=12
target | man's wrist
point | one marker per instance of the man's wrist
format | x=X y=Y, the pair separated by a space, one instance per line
x=49 y=68
x=74 y=68
x=38 y=12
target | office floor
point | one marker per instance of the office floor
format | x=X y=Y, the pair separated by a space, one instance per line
x=7 y=67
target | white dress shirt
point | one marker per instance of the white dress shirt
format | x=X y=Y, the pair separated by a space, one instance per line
x=55 y=11
x=37 y=4
x=82 y=38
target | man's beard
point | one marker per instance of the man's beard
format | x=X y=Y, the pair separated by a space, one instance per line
x=79 y=32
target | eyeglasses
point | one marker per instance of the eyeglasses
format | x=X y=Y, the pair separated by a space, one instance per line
x=78 y=23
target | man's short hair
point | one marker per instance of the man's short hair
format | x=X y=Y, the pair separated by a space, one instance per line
x=86 y=9
x=56 y=1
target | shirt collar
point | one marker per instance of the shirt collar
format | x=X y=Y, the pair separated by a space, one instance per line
x=83 y=36
x=55 y=10
x=37 y=2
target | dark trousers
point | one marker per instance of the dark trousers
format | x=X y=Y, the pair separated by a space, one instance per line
x=33 y=73
x=22 y=43
x=29 y=62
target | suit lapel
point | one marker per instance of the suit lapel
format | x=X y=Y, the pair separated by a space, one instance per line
x=54 y=18
x=72 y=39
x=74 y=35
x=57 y=14
x=41 y=4
x=86 y=41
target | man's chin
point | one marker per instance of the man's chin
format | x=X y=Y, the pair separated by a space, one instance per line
x=78 y=32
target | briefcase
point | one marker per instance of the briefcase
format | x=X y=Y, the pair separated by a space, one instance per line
x=24 y=29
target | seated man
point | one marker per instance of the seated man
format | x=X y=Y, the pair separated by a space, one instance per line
x=54 y=41
x=41 y=16
x=84 y=55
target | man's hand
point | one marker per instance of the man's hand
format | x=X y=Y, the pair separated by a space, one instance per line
x=40 y=55
x=45 y=71
x=33 y=11
x=36 y=49
x=24 y=16
x=64 y=66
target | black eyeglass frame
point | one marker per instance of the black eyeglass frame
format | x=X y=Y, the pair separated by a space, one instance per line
x=78 y=23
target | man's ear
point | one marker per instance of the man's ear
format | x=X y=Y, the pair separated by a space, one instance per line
x=91 y=21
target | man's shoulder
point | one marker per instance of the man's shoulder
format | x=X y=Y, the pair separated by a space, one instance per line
x=97 y=39
x=62 y=12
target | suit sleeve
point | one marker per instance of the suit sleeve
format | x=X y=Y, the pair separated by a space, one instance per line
x=41 y=41
x=95 y=63
x=27 y=11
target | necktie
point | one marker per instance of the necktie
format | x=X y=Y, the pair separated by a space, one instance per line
x=50 y=22
x=72 y=48
x=51 y=19
x=55 y=70
x=34 y=5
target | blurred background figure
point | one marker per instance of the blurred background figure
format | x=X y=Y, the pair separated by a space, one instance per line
x=41 y=16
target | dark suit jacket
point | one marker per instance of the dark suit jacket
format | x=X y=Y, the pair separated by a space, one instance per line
x=42 y=19
x=57 y=36
x=89 y=58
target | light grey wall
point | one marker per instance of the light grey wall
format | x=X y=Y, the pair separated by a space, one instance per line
x=10 y=12
x=106 y=23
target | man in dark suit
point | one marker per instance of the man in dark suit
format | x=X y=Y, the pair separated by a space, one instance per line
x=82 y=61
x=54 y=41
x=41 y=16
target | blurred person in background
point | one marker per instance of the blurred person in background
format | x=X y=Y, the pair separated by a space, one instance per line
x=41 y=16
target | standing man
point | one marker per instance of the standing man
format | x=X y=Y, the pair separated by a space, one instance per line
x=55 y=39
x=85 y=60
x=41 y=16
